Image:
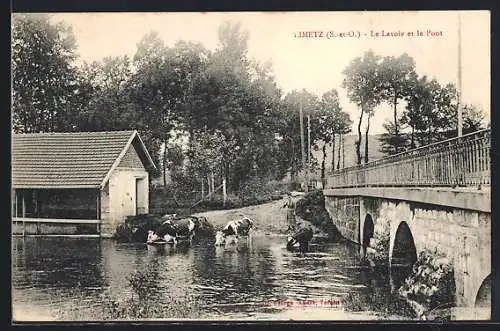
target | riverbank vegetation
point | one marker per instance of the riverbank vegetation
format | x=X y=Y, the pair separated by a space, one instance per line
x=377 y=252
x=312 y=208
x=431 y=284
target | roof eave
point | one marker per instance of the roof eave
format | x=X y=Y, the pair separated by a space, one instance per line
x=53 y=187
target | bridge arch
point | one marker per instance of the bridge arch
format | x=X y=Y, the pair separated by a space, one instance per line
x=402 y=256
x=368 y=232
x=483 y=296
x=403 y=250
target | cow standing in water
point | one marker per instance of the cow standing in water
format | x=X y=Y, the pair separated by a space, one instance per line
x=174 y=231
x=302 y=237
x=233 y=230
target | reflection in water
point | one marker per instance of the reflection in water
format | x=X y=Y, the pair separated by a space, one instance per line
x=50 y=274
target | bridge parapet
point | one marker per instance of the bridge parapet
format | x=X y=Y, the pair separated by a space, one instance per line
x=460 y=161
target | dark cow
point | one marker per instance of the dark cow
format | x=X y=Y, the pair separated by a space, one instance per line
x=233 y=230
x=174 y=230
x=302 y=237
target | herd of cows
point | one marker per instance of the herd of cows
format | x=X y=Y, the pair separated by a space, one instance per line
x=174 y=231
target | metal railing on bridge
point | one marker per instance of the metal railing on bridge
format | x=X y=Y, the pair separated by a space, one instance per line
x=460 y=161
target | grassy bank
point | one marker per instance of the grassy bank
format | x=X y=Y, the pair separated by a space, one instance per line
x=170 y=200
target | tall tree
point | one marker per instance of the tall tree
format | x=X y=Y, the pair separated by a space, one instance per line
x=431 y=113
x=241 y=100
x=364 y=89
x=154 y=92
x=345 y=126
x=289 y=132
x=396 y=75
x=44 y=77
x=332 y=121
x=108 y=105
x=417 y=101
x=289 y=128
x=162 y=88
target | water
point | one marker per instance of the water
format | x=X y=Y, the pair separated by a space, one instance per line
x=67 y=279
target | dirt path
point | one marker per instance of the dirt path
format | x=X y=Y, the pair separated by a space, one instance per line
x=269 y=218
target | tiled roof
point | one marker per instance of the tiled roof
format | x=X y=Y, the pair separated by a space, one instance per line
x=68 y=160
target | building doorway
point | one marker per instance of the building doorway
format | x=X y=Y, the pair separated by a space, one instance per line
x=140 y=195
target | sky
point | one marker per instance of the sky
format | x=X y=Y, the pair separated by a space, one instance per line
x=315 y=64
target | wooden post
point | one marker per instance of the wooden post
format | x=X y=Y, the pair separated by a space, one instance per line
x=224 y=193
x=202 y=187
x=98 y=210
x=209 y=184
x=24 y=212
x=16 y=203
x=213 y=182
x=36 y=208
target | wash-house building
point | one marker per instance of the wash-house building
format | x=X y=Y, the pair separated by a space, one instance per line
x=88 y=177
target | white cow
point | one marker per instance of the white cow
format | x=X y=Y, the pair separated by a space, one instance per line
x=233 y=230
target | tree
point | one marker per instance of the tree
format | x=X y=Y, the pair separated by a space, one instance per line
x=205 y=154
x=332 y=121
x=363 y=86
x=154 y=92
x=108 y=106
x=396 y=76
x=425 y=111
x=162 y=88
x=345 y=126
x=289 y=128
x=289 y=133
x=240 y=99
x=431 y=113
x=189 y=62
x=389 y=140
x=474 y=118
x=174 y=159
x=44 y=78
x=445 y=107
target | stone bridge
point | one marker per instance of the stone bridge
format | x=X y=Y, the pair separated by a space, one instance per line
x=433 y=198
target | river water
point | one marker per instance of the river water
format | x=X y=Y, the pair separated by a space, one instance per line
x=61 y=278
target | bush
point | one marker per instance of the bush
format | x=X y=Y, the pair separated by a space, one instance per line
x=260 y=190
x=381 y=237
x=312 y=208
x=431 y=283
